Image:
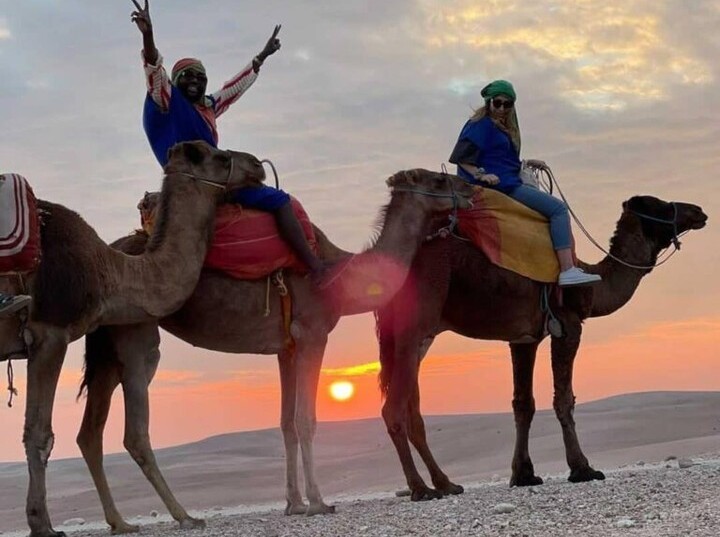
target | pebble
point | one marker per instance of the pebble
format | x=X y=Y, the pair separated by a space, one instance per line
x=74 y=522
x=686 y=463
x=154 y=514
x=625 y=523
x=503 y=508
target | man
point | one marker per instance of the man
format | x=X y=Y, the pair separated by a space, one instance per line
x=178 y=110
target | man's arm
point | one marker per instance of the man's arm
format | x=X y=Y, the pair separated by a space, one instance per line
x=240 y=83
x=156 y=78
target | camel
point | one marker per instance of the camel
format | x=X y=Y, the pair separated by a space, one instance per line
x=453 y=286
x=226 y=314
x=82 y=283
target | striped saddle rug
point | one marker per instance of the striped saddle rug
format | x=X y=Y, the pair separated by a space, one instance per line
x=19 y=225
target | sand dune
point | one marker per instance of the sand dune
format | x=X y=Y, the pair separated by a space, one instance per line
x=355 y=458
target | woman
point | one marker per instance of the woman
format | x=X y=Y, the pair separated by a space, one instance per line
x=488 y=151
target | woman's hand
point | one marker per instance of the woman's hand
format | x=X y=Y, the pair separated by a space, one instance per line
x=487 y=178
x=141 y=17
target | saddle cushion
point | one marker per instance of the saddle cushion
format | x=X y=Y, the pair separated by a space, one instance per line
x=247 y=244
x=512 y=235
x=19 y=225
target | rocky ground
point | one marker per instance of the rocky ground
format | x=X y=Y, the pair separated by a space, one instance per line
x=670 y=498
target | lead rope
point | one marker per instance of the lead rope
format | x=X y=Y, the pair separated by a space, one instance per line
x=11 y=387
x=676 y=242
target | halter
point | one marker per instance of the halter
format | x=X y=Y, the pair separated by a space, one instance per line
x=205 y=180
x=676 y=238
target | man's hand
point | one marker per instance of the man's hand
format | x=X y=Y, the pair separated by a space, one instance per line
x=272 y=46
x=141 y=17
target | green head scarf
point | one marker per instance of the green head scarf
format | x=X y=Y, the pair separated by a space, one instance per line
x=498 y=87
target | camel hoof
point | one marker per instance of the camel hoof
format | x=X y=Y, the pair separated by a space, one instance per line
x=48 y=533
x=525 y=481
x=450 y=489
x=585 y=474
x=191 y=523
x=123 y=528
x=425 y=494
x=295 y=509
x=320 y=509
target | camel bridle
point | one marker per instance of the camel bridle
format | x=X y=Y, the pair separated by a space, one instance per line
x=205 y=180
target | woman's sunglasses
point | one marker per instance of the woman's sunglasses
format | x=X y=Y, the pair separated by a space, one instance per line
x=500 y=103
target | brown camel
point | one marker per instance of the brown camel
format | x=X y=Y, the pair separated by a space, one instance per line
x=82 y=283
x=453 y=286
x=225 y=314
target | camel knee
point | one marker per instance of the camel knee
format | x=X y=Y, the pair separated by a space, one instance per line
x=564 y=408
x=138 y=448
x=306 y=427
x=38 y=444
x=395 y=420
x=86 y=441
x=524 y=409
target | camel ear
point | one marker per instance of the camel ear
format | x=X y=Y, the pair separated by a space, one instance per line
x=193 y=153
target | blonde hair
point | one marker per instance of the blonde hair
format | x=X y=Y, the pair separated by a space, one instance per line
x=510 y=127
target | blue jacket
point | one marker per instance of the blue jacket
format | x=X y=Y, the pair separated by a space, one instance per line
x=181 y=123
x=483 y=144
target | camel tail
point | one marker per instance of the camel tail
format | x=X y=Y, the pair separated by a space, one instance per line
x=99 y=351
x=386 y=342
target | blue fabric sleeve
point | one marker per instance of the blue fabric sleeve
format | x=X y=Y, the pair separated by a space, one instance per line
x=263 y=197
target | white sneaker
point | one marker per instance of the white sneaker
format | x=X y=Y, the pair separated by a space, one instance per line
x=576 y=276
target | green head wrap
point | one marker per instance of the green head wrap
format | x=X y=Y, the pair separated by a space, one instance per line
x=498 y=87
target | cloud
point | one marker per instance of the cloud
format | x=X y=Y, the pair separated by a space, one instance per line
x=608 y=56
x=4 y=30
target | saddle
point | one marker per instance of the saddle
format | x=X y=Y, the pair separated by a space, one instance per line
x=246 y=242
x=19 y=226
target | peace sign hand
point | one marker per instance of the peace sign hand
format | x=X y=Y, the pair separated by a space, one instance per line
x=141 y=17
x=272 y=46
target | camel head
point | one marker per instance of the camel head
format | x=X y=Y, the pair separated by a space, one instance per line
x=662 y=221
x=225 y=169
x=436 y=190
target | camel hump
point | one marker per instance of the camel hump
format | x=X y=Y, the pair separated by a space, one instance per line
x=19 y=225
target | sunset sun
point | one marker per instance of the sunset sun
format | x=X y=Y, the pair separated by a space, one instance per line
x=342 y=390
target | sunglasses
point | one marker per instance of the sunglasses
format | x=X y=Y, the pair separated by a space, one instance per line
x=500 y=103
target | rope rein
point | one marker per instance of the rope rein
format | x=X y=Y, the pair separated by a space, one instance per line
x=205 y=180
x=548 y=186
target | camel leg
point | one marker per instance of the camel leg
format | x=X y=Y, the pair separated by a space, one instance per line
x=43 y=371
x=90 y=440
x=288 y=394
x=418 y=437
x=309 y=361
x=138 y=350
x=523 y=360
x=395 y=413
x=563 y=356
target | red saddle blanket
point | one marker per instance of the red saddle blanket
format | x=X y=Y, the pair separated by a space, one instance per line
x=246 y=243
x=19 y=225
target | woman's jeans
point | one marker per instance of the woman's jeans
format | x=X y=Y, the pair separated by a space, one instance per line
x=550 y=207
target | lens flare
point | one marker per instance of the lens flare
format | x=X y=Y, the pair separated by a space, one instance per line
x=342 y=390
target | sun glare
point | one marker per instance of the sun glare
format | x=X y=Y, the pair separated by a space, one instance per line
x=342 y=390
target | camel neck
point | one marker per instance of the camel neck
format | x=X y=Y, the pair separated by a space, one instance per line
x=160 y=280
x=619 y=281
x=403 y=228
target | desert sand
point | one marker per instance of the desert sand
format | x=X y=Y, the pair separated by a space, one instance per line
x=660 y=450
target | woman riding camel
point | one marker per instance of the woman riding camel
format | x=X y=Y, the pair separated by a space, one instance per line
x=178 y=110
x=488 y=152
